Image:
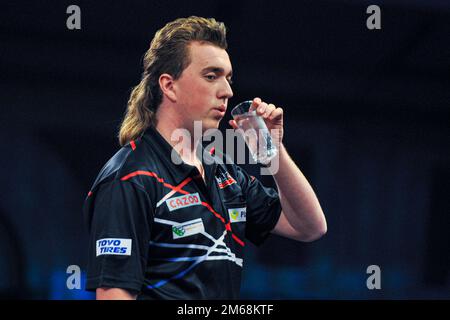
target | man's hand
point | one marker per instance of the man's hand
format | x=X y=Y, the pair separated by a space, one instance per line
x=301 y=217
x=114 y=294
x=273 y=117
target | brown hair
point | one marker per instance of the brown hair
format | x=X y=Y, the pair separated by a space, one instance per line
x=168 y=53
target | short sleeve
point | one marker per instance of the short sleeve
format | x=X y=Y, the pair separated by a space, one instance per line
x=120 y=216
x=263 y=207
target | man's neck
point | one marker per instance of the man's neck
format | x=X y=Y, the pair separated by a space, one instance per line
x=187 y=143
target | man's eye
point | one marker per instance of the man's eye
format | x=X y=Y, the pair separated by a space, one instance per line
x=230 y=81
x=210 y=77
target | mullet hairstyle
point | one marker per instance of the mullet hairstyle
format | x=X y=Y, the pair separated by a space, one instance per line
x=168 y=53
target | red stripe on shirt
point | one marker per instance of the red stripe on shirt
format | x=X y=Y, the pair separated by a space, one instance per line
x=178 y=189
x=226 y=183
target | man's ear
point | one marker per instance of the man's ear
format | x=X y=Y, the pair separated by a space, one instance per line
x=166 y=83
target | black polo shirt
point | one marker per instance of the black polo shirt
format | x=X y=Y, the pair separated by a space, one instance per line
x=156 y=229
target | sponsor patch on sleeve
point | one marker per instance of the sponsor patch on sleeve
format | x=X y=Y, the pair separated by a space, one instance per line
x=113 y=246
x=224 y=179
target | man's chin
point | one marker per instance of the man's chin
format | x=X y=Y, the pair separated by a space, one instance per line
x=207 y=124
x=211 y=124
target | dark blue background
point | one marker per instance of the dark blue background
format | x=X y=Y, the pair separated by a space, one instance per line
x=367 y=120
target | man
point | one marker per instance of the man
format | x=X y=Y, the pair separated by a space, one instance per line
x=160 y=230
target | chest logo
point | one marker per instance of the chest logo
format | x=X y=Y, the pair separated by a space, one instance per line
x=188 y=228
x=237 y=214
x=184 y=201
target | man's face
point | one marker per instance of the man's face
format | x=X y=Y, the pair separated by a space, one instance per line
x=203 y=88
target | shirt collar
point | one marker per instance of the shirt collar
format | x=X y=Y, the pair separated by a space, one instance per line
x=179 y=169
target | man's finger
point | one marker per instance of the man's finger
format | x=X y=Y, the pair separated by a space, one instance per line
x=261 y=109
x=269 y=109
x=277 y=113
x=233 y=124
x=255 y=103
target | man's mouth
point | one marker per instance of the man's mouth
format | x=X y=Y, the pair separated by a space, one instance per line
x=220 y=110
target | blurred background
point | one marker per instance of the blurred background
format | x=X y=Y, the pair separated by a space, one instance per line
x=367 y=121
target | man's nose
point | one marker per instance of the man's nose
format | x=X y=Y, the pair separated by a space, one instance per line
x=225 y=91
